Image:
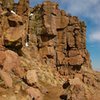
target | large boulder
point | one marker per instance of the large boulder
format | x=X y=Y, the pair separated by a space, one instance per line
x=10 y=62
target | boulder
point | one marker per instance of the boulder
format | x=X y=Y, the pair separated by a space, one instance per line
x=12 y=63
x=50 y=24
x=34 y=93
x=49 y=17
x=31 y=77
x=6 y=78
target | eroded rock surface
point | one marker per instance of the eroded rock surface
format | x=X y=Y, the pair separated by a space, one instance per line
x=60 y=38
x=43 y=54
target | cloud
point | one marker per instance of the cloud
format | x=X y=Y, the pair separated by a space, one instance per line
x=95 y=36
x=86 y=8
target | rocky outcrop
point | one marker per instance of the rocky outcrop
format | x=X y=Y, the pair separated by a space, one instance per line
x=60 y=38
x=9 y=63
x=43 y=54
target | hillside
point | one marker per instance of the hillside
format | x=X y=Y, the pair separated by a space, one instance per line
x=43 y=54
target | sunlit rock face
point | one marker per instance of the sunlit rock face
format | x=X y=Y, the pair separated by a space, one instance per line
x=60 y=38
x=55 y=38
x=43 y=54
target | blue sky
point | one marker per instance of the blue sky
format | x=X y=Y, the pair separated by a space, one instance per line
x=87 y=10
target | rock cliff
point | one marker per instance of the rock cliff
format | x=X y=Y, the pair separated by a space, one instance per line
x=43 y=53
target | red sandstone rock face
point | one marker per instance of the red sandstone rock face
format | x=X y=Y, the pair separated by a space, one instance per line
x=49 y=18
x=12 y=63
x=64 y=41
x=55 y=37
x=56 y=42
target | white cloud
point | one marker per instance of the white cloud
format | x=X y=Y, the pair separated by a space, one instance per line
x=86 y=8
x=95 y=36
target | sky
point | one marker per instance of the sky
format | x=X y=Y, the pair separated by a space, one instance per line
x=88 y=11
